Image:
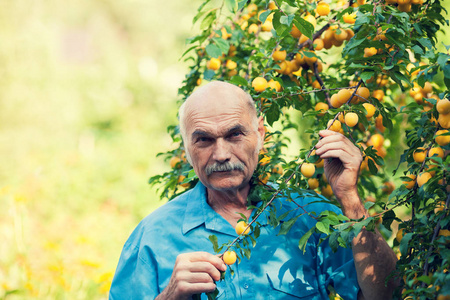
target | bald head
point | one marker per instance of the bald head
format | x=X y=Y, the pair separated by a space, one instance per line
x=215 y=94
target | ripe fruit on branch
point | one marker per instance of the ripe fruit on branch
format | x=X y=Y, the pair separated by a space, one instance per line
x=376 y=140
x=311 y=19
x=323 y=8
x=444 y=120
x=174 y=162
x=423 y=178
x=399 y=235
x=349 y=18
x=410 y=184
x=318 y=44
x=335 y=126
x=443 y=106
x=229 y=257
x=213 y=64
x=181 y=178
x=441 y=139
x=231 y=64
x=436 y=151
x=351 y=119
x=363 y=92
x=322 y=108
x=279 y=55
x=274 y=85
x=370 y=110
x=259 y=84
x=241 y=228
x=308 y=169
x=368 y=52
x=340 y=35
x=327 y=191
x=264 y=178
x=419 y=154
x=343 y=96
x=313 y=183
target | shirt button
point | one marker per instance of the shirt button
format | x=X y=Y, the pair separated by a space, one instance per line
x=245 y=286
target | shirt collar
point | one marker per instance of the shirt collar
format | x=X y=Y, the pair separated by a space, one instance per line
x=198 y=212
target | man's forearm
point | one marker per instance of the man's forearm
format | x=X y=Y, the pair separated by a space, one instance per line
x=374 y=262
x=374 y=259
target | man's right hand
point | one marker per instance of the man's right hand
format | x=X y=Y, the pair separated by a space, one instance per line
x=194 y=273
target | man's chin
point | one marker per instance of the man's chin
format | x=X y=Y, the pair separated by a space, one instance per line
x=225 y=181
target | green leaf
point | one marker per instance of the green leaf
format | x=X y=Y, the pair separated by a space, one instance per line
x=405 y=243
x=368 y=204
x=241 y=4
x=187 y=51
x=304 y=239
x=238 y=80
x=223 y=45
x=272 y=114
x=213 y=295
x=280 y=28
x=323 y=228
x=287 y=20
x=256 y=231
x=372 y=168
x=264 y=15
x=442 y=60
x=286 y=226
x=247 y=253
x=446 y=71
x=353 y=43
x=366 y=76
x=213 y=51
x=208 y=20
x=333 y=241
x=304 y=26
x=231 y=5
x=213 y=240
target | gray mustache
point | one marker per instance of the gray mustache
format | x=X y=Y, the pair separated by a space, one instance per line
x=224 y=167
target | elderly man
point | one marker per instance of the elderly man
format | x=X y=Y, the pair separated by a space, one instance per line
x=169 y=256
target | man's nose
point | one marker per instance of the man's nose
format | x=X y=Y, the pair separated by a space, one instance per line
x=221 y=151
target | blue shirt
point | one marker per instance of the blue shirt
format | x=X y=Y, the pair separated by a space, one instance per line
x=277 y=269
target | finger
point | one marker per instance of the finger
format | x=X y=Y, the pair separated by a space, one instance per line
x=206 y=268
x=208 y=257
x=187 y=288
x=326 y=132
x=331 y=136
x=337 y=145
x=336 y=141
x=198 y=288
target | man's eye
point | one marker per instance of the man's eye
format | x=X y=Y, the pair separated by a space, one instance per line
x=203 y=139
x=236 y=134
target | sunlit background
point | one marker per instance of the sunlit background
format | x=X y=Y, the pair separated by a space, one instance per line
x=87 y=89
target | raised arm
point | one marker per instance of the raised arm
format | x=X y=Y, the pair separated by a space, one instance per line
x=374 y=259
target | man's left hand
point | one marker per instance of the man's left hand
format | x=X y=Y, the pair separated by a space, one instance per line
x=342 y=163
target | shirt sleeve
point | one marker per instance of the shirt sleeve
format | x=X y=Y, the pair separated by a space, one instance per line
x=338 y=270
x=135 y=277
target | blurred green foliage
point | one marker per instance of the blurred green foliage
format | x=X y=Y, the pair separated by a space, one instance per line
x=86 y=92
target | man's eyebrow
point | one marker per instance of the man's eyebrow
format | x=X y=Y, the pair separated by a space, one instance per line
x=235 y=128
x=202 y=133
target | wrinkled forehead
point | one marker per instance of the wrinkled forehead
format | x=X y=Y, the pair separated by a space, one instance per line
x=218 y=104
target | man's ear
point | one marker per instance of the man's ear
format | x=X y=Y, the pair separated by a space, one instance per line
x=261 y=129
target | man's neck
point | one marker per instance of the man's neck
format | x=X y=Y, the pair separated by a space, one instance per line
x=230 y=204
